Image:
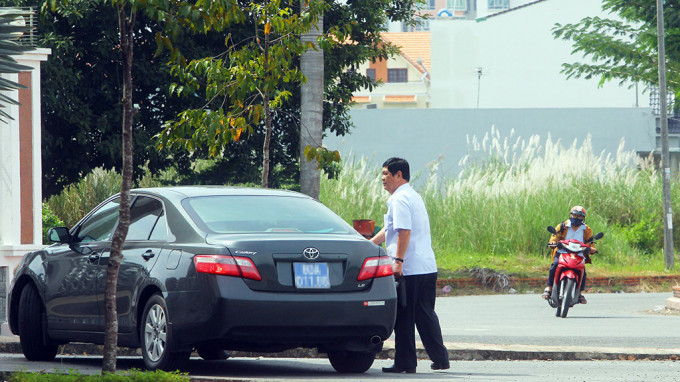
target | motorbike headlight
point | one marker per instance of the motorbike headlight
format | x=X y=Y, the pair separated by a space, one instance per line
x=574 y=247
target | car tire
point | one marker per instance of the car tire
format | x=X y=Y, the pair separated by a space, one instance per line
x=212 y=354
x=156 y=338
x=31 y=329
x=347 y=361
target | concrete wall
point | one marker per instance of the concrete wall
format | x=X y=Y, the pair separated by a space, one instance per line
x=520 y=61
x=426 y=135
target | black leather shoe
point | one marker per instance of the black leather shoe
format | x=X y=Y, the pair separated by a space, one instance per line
x=397 y=369
x=440 y=366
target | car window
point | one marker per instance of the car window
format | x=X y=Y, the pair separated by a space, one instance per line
x=272 y=214
x=99 y=226
x=160 y=230
x=143 y=217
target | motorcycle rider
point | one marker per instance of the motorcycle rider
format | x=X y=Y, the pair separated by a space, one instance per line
x=574 y=228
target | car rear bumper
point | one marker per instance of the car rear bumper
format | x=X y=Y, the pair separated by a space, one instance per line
x=236 y=318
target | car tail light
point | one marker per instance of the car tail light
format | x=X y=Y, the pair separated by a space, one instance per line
x=227 y=266
x=375 y=267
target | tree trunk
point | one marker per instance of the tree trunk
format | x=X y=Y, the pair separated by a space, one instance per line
x=111 y=316
x=267 y=119
x=311 y=110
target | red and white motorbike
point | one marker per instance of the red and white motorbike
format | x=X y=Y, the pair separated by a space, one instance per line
x=569 y=274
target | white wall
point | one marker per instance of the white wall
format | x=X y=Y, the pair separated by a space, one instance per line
x=522 y=59
x=423 y=136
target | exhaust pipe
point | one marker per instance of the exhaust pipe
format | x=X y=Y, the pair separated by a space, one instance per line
x=376 y=340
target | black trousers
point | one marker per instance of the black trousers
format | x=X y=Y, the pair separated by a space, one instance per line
x=419 y=313
x=553 y=269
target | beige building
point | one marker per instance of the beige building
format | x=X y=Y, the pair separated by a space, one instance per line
x=405 y=78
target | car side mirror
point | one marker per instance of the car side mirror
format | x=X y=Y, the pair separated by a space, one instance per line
x=59 y=235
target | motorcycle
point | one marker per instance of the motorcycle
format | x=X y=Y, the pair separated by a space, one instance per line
x=569 y=274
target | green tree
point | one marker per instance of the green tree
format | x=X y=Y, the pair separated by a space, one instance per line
x=10 y=47
x=82 y=92
x=350 y=37
x=625 y=49
x=243 y=85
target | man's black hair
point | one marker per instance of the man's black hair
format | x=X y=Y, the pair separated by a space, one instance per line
x=395 y=165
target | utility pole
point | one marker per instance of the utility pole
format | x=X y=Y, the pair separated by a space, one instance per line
x=480 y=73
x=665 y=156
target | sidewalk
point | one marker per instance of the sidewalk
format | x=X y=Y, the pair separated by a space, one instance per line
x=457 y=352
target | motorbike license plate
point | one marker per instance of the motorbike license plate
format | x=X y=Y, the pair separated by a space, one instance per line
x=311 y=275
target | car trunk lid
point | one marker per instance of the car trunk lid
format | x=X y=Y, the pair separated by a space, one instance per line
x=292 y=262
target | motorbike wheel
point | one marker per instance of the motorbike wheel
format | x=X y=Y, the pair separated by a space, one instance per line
x=568 y=297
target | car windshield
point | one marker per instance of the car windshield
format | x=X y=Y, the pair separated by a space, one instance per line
x=260 y=214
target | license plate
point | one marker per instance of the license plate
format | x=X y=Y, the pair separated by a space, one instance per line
x=311 y=275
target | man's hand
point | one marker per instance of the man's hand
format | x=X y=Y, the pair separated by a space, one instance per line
x=397 y=268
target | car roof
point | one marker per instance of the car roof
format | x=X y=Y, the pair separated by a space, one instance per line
x=196 y=191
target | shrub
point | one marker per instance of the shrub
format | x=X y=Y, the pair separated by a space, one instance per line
x=80 y=198
x=49 y=220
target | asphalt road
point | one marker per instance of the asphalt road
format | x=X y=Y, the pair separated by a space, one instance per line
x=622 y=321
x=314 y=369
x=609 y=319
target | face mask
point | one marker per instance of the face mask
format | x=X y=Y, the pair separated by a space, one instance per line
x=576 y=221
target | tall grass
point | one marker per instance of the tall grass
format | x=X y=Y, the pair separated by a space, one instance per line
x=510 y=189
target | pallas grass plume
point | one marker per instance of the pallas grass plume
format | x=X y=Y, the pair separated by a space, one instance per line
x=509 y=189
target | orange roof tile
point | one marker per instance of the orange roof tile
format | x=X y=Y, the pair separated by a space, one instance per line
x=361 y=99
x=413 y=45
x=401 y=98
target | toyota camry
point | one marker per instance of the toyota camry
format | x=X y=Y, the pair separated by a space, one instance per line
x=210 y=270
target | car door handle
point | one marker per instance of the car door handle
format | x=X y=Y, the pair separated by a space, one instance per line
x=148 y=255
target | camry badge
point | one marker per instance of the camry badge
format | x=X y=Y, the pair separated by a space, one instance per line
x=311 y=253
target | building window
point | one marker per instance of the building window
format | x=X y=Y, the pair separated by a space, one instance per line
x=457 y=5
x=397 y=75
x=422 y=25
x=499 y=4
x=429 y=4
x=370 y=73
x=405 y=27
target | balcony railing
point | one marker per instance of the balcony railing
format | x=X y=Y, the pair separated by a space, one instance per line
x=30 y=18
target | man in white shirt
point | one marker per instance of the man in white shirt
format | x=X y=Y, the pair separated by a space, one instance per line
x=406 y=234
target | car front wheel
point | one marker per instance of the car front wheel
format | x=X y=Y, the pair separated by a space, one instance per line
x=30 y=320
x=156 y=338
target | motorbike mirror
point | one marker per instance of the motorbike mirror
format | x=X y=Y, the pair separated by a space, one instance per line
x=599 y=235
x=551 y=229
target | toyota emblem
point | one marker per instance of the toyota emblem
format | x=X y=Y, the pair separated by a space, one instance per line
x=311 y=253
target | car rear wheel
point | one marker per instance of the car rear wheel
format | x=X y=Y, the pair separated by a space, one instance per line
x=346 y=361
x=30 y=320
x=156 y=338
x=212 y=354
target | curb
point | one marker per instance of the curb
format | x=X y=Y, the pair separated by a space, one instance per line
x=594 y=281
x=457 y=352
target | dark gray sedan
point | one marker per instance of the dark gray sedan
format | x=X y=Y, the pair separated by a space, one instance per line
x=210 y=269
